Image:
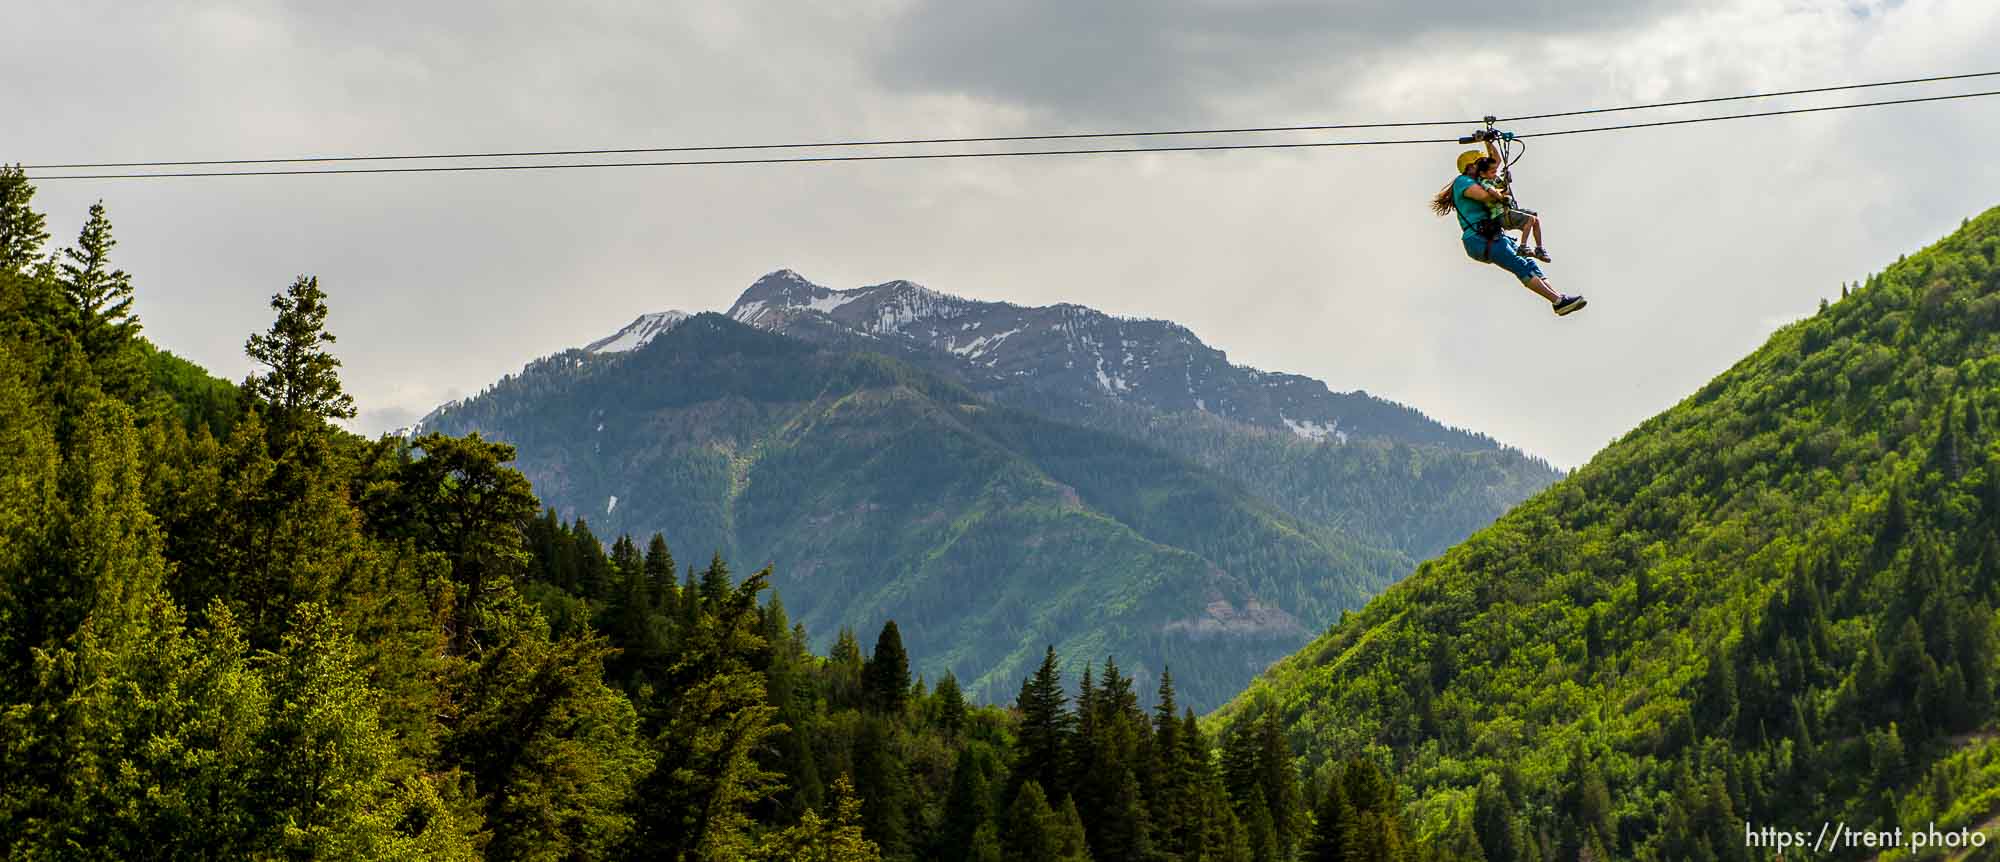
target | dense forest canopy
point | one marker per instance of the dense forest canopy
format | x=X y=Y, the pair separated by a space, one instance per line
x=229 y=629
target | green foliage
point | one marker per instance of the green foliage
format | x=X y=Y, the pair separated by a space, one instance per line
x=22 y=230
x=885 y=678
x=202 y=401
x=302 y=385
x=100 y=306
x=818 y=839
x=1772 y=603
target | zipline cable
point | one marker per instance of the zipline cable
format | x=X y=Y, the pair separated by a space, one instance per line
x=826 y=145
x=1751 y=96
x=1000 y=154
x=763 y=161
x=985 y=140
x=1690 y=120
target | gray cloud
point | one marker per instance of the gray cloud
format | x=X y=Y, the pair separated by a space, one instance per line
x=1316 y=262
x=1180 y=60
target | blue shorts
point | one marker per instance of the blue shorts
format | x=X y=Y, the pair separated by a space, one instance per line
x=1504 y=255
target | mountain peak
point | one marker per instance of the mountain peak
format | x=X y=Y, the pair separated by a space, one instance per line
x=637 y=333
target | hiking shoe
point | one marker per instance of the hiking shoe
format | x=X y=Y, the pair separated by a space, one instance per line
x=1538 y=253
x=1568 y=304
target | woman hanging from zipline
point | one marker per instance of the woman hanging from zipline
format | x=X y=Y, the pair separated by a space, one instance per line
x=1484 y=215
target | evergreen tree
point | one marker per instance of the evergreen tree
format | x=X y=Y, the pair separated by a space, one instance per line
x=553 y=751
x=301 y=387
x=985 y=846
x=22 y=230
x=950 y=705
x=1028 y=836
x=100 y=307
x=660 y=570
x=1493 y=820
x=461 y=500
x=969 y=807
x=886 y=675
x=715 y=580
x=1067 y=828
x=1334 y=826
x=1280 y=784
x=844 y=668
x=882 y=780
x=1044 y=729
x=818 y=839
x=329 y=773
x=714 y=718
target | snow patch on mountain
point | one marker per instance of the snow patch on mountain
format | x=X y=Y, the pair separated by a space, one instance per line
x=749 y=312
x=1315 y=430
x=833 y=300
x=637 y=333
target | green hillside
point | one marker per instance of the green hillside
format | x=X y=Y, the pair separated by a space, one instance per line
x=878 y=491
x=1770 y=605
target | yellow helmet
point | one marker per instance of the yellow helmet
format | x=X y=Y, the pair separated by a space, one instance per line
x=1468 y=157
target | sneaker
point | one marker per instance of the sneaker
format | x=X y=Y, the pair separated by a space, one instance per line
x=1538 y=253
x=1568 y=304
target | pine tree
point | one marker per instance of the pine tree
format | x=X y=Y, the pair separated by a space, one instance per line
x=985 y=846
x=715 y=580
x=1280 y=783
x=553 y=751
x=969 y=805
x=22 y=230
x=1045 y=727
x=302 y=386
x=1122 y=830
x=950 y=705
x=460 y=499
x=886 y=675
x=1334 y=825
x=844 y=668
x=1028 y=836
x=882 y=780
x=1493 y=821
x=100 y=307
x=330 y=775
x=1067 y=828
x=817 y=839
x=714 y=718
x=660 y=570
x=593 y=568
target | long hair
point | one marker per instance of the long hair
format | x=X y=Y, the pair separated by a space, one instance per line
x=1441 y=204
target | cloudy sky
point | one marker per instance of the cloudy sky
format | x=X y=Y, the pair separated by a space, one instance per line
x=1691 y=242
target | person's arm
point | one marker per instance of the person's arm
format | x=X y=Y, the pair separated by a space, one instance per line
x=1484 y=195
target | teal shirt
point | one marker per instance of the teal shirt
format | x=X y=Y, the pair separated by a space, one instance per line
x=1470 y=211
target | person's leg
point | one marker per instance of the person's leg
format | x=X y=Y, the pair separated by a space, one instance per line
x=1507 y=257
x=1541 y=288
x=1534 y=224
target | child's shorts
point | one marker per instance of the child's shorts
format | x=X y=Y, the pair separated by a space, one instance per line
x=1514 y=220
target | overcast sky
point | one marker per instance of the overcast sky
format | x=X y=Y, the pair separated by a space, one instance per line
x=1692 y=243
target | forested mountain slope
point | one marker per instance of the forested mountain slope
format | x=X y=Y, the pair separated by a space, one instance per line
x=878 y=491
x=1771 y=604
x=1369 y=468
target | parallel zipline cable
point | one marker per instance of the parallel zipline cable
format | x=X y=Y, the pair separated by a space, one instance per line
x=1685 y=102
x=991 y=139
x=999 y=154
